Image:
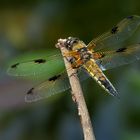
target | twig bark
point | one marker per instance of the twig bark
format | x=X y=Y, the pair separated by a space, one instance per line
x=77 y=95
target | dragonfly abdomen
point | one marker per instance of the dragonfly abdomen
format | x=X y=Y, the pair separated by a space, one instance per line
x=95 y=72
x=106 y=84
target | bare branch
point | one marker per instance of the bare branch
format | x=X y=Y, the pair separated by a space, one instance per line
x=77 y=95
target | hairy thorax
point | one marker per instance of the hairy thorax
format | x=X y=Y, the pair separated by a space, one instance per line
x=78 y=53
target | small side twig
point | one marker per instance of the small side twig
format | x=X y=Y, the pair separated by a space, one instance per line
x=77 y=95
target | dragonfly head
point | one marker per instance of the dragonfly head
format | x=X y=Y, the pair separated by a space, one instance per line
x=73 y=43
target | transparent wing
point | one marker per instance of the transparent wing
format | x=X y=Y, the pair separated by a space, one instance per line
x=53 y=85
x=38 y=66
x=110 y=59
x=117 y=35
x=56 y=84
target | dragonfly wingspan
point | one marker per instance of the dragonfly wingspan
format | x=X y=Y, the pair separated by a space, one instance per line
x=104 y=52
x=96 y=73
x=111 y=59
x=117 y=35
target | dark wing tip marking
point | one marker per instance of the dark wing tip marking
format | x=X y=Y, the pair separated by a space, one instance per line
x=130 y=17
x=39 y=61
x=54 y=77
x=121 y=50
x=30 y=91
x=114 y=30
x=15 y=65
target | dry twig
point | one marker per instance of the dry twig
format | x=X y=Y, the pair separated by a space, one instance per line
x=77 y=95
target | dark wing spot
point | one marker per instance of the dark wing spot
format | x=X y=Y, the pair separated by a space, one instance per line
x=130 y=17
x=30 y=91
x=15 y=65
x=114 y=30
x=40 y=61
x=102 y=55
x=121 y=50
x=54 y=78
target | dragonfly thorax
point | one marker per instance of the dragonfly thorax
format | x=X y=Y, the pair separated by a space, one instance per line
x=79 y=54
x=85 y=55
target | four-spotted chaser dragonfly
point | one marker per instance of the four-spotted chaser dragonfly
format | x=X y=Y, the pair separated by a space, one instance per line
x=104 y=52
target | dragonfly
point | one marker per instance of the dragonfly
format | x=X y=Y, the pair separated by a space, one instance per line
x=105 y=52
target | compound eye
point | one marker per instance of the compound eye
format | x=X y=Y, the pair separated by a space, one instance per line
x=74 y=42
x=70 y=42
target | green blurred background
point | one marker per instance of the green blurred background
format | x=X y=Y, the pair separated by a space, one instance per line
x=27 y=28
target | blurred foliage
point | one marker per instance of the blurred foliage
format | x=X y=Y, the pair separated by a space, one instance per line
x=27 y=28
